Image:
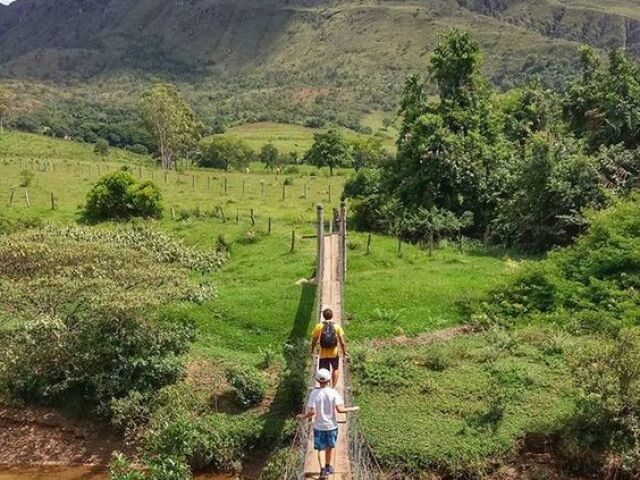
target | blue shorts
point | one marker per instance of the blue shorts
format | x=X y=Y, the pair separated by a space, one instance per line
x=323 y=440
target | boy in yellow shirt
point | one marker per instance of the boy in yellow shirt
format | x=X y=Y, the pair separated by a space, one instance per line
x=330 y=336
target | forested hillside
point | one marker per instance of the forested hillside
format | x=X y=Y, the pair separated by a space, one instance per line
x=233 y=52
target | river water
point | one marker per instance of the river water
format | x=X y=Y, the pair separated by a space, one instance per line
x=74 y=473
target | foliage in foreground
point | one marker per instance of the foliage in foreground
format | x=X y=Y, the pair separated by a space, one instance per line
x=249 y=384
x=461 y=407
x=82 y=324
x=605 y=430
x=119 y=195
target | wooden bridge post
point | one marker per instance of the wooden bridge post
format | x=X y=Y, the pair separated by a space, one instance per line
x=342 y=229
x=320 y=249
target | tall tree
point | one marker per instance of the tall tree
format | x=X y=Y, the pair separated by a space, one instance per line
x=171 y=120
x=328 y=150
x=5 y=105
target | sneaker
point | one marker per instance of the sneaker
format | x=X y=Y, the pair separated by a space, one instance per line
x=329 y=470
x=324 y=475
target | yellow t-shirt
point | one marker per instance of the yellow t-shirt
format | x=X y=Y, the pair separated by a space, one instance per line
x=327 y=352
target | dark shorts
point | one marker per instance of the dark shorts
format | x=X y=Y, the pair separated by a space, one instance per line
x=324 y=439
x=330 y=363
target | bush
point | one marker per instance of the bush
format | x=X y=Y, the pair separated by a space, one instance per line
x=250 y=385
x=120 y=196
x=154 y=468
x=92 y=359
x=590 y=287
x=607 y=375
x=215 y=440
x=139 y=149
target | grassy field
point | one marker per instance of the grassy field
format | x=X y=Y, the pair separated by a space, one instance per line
x=464 y=405
x=296 y=138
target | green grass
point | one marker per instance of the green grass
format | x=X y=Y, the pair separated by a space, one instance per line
x=461 y=406
x=295 y=138
x=76 y=168
x=387 y=295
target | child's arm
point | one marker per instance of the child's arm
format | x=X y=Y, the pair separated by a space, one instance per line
x=308 y=414
x=343 y=409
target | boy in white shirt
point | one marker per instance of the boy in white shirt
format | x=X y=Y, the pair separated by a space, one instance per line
x=325 y=403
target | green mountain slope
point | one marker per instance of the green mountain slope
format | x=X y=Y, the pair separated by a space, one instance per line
x=287 y=60
x=60 y=37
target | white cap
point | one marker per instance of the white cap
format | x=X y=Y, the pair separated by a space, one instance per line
x=323 y=375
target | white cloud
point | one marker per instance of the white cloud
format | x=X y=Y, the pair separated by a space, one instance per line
x=6 y=2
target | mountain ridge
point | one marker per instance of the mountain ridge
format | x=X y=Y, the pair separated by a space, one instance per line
x=89 y=37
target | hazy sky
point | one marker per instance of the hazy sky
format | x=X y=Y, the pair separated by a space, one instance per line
x=6 y=2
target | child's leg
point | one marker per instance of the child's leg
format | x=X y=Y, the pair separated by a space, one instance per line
x=328 y=456
x=335 y=372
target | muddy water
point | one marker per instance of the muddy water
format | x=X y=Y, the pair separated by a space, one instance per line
x=73 y=473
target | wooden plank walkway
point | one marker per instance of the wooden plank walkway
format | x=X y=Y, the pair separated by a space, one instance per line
x=331 y=297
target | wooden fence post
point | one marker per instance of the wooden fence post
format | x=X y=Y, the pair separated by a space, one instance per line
x=26 y=197
x=329 y=193
x=269 y=229
x=224 y=217
x=173 y=213
x=284 y=191
x=166 y=178
x=53 y=202
x=253 y=218
x=237 y=215
x=226 y=185
x=293 y=241
x=243 y=186
x=13 y=191
x=368 y=245
x=193 y=181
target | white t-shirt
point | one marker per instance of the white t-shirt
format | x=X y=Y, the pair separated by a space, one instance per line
x=324 y=401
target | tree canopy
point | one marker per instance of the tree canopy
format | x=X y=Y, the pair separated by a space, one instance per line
x=224 y=152
x=522 y=165
x=330 y=150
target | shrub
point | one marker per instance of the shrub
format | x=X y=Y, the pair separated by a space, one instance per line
x=11 y=225
x=215 y=440
x=81 y=270
x=139 y=149
x=92 y=359
x=590 y=287
x=120 y=196
x=154 y=468
x=607 y=375
x=249 y=384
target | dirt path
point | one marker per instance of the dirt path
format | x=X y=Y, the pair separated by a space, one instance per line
x=424 y=338
x=332 y=298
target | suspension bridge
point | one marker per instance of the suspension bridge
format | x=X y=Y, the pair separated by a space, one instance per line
x=330 y=276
